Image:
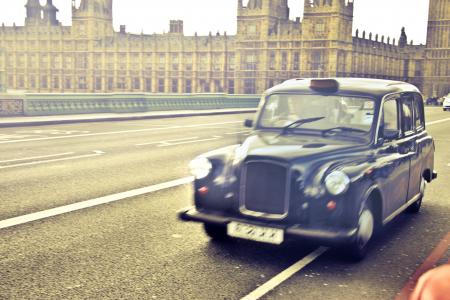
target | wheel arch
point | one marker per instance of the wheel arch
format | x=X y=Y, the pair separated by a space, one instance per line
x=374 y=200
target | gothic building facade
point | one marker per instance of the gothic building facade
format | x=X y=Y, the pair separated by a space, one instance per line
x=268 y=48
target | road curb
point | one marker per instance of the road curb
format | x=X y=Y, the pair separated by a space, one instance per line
x=122 y=118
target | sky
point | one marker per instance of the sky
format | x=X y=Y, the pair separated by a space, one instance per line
x=382 y=17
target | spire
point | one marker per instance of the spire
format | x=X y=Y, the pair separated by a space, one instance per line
x=50 y=13
x=403 y=41
x=33 y=8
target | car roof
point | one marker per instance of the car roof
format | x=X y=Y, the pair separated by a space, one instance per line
x=376 y=88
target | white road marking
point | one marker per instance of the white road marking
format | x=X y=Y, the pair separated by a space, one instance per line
x=237 y=132
x=36 y=157
x=96 y=153
x=187 y=142
x=118 y=132
x=438 y=121
x=286 y=274
x=168 y=141
x=91 y=203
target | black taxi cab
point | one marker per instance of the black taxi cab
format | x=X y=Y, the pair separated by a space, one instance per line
x=329 y=160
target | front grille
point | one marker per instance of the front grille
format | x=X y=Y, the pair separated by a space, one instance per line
x=264 y=188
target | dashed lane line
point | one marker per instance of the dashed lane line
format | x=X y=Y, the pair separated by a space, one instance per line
x=36 y=157
x=118 y=132
x=188 y=142
x=91 y=203
x=96 y=153
x=168 y=141
x=285 y=275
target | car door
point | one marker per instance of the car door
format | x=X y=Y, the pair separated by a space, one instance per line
x=421 y=141
x=395 y=160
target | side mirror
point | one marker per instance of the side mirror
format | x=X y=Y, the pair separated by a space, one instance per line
x=248 y=123
x=391 y=134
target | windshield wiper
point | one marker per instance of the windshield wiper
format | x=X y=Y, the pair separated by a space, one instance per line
x=341 y=129
x=298 y=123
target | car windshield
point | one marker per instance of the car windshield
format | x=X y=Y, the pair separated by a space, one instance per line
x=328 y=112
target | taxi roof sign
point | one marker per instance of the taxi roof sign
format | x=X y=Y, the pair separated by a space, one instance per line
x=325 y=85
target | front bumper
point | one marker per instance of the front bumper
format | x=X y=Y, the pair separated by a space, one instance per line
x=326 y=236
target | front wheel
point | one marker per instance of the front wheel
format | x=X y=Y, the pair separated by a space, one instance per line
x=216 y=232
x=366 y=229
x=415 y=207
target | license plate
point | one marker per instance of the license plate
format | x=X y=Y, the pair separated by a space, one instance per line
x=255 y=233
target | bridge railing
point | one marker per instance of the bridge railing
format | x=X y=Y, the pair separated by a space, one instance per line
x=63 y=104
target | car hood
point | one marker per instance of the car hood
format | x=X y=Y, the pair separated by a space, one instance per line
x=295 y=148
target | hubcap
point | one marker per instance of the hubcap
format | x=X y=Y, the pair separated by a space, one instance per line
x=365 y=228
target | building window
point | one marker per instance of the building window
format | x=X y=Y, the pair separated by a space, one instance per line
x=202 y=62
x=162 y=62
x=175 y=62
x=148 y=85
x=284 y=61
x=68 y=62
x=296 y=65
x=110 y=84
x=121 y=83
x=82 y=82
x=98 y=61
x=188 y=88
x=188 y=62
x=68 y=83
x=230 y=86
x=81 y=61
x=55 y=82
x=21 y=83
x=98 y=83
x=174 y=85
x=249 y=86
x=161 y=85
x=44 y=61
x=272 y=60
x=148 y=62
x=217 y=62
x=136 y=83
x=204 y=86
x=32 y=81
x=250 y=62
x=218 y=86
x=44 y=82
x=231 y=62
x=319 y=28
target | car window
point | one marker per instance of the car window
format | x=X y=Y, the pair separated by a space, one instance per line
x=334 y=111
x=390 y=118
x=407 y=105
x=418 y=112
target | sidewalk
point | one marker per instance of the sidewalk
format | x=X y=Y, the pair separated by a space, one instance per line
x=84 y=118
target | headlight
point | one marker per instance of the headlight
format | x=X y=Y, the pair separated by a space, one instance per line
x=337 y=182
x=200 y=167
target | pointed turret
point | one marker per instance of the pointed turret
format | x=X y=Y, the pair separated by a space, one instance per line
x=50 y=13
x=403 y=41
x=33 y=8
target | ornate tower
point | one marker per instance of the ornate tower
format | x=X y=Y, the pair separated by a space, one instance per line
x=33 y=8
x=258 y=22
x=327 y=38
x=93 y=18
x=437 y=66
x=50 y=13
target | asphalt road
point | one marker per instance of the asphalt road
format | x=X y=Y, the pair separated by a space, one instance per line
x=135 y=248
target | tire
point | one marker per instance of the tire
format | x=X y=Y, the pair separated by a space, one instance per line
x=415 y=207
x=216 y=232
x=366 y=230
